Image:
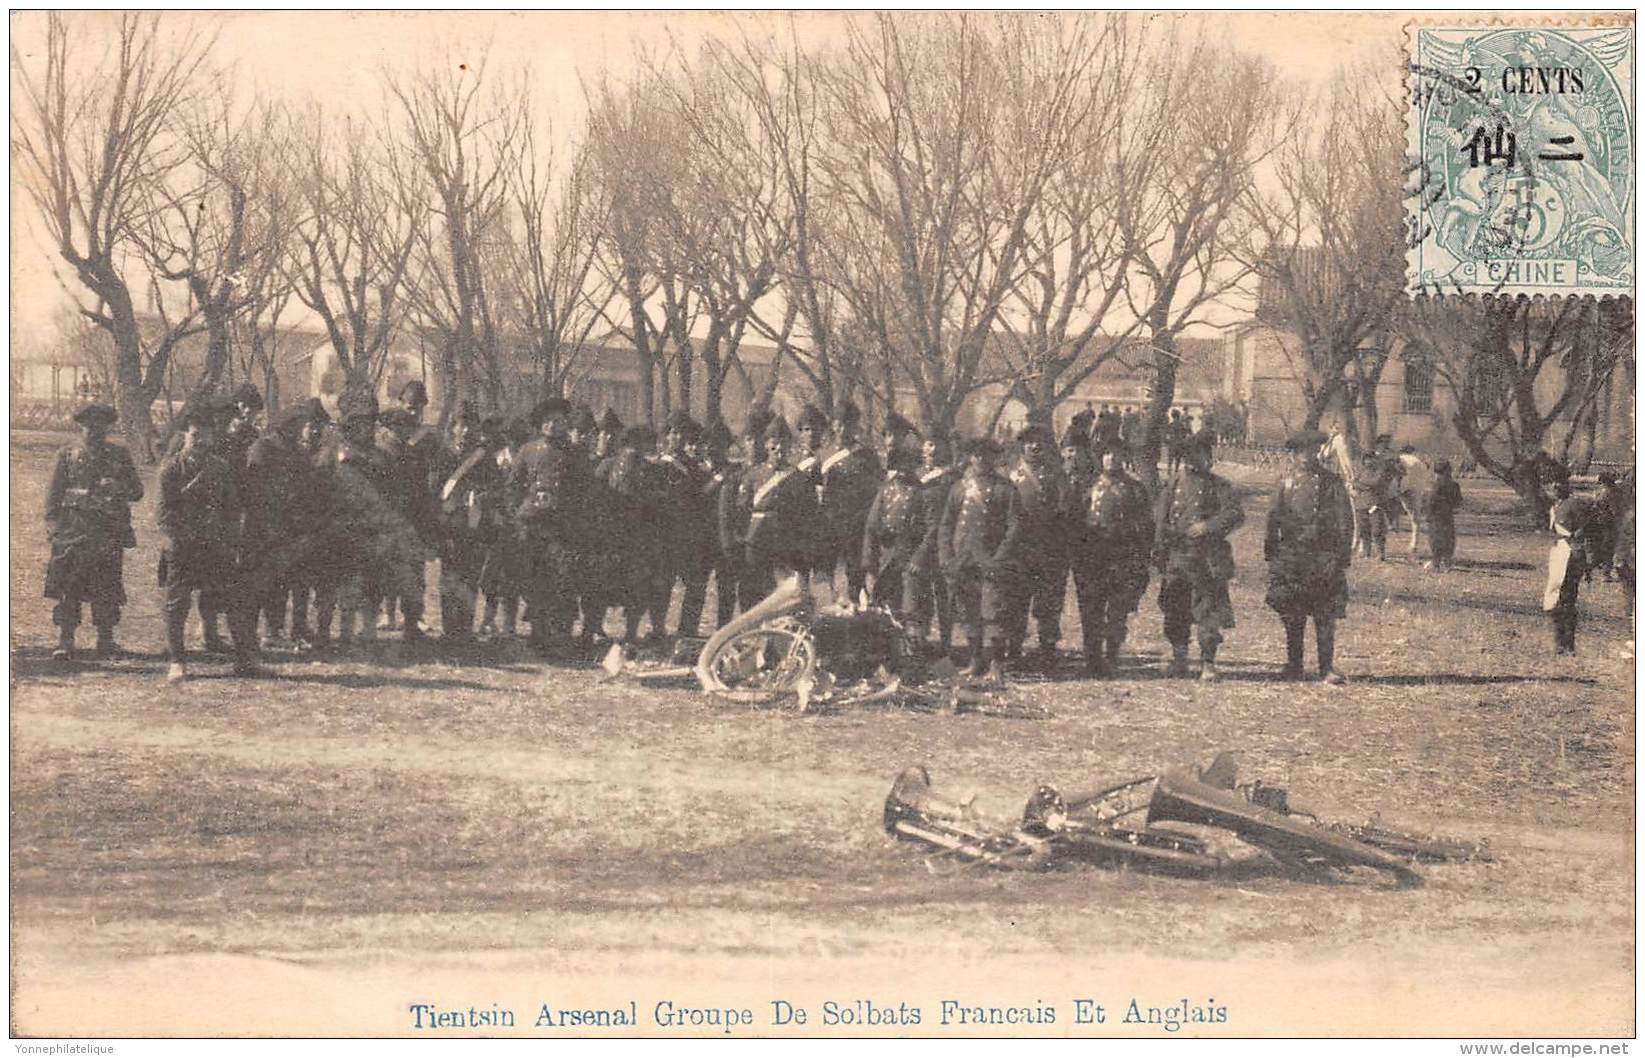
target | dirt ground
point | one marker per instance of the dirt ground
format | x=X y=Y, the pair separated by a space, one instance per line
x=318 y=851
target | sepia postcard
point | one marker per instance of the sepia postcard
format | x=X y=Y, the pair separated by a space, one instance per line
x=823 y=524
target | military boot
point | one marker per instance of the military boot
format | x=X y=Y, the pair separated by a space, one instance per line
x=106 y=647
x=1178 y=667
x=65 y=644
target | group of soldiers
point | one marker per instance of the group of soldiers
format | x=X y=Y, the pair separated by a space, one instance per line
x=321 y=531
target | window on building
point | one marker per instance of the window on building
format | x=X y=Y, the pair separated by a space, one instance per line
x=1419 y=387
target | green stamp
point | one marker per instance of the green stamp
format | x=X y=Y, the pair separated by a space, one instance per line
x=1522 y=145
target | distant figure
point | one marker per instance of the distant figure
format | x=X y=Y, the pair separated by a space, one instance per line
x=1439 y=505
x=1569 y=521
x=1176 y=435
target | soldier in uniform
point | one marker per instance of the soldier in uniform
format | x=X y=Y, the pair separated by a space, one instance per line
x=631 y=534
x=547 y=491
x=500 y=579
x=893 y=532
x=1115 y=539
x=687 y=551
x=778 y=503
x=733 y=589
x=581 y=431
x=236 y=431
x=468 y=481
x=1308 y=545
x=975 y=542
x=849 y=475
x=1196 y=512
x=280 y=517
x=1376 y=491
x=304 y=576
x=406 y=461
x=926 y=588
x=200 y=513
x=721 y=476
x=1041 y=558
x=88 y=522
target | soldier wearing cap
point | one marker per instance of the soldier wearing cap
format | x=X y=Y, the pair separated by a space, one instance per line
x=1308 y=545
x=778 y=506
x=305 y=575
x=547 y=491
x=1115 y=538
x=1195 y=513
x=632 y=534
x=384 y=554
x=731 y=588
x=88 y=522
x=926 y=588
x=508 y=569
x=200 y=512
x=467 y=485
x=893 y=531
x=406 y=462
x=687 y=550
x=1040 y=560
x=281 y=518
x=898 y=433
x=976 y=540
x=848 y=475
x=722 y=476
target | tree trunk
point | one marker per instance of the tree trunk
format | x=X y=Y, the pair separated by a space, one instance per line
x=1159 y=405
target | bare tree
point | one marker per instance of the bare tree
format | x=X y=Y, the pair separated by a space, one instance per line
x=630 y=142
x=91 y=140
x=943 y=133
x=352 y=242
x=561 y=226
x=1225 y=117
x=1061 y=323
x=220 y=223
x=1527 y=376
x=1326 y=248
x=461 y=125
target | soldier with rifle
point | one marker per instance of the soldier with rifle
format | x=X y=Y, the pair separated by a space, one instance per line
x=88 y=522
x=1196 y=512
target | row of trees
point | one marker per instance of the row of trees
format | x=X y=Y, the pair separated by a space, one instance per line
x=935 y=204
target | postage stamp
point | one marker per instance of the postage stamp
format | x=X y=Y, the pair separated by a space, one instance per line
x=1522 y=142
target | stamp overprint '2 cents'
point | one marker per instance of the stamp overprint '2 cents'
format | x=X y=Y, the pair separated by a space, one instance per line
x=1523 y=141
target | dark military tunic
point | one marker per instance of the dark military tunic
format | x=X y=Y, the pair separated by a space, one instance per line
x=978 y=535
x=926 y=588
x=849 y=478
x=779 y=508
x=1115 y=538
x=548 y=491
x=1195 y=571
x=88 y=523
x=1040 y=558
x=1308 y=545
x=893 y=531
x=199 y=512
